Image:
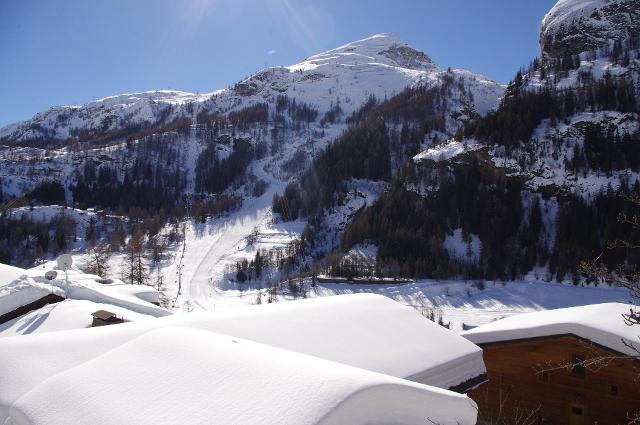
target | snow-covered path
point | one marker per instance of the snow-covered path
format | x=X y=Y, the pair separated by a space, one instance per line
x=208 y=246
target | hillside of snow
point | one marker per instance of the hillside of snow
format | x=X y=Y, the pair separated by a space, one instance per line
x=103 y=115
x=381 y=65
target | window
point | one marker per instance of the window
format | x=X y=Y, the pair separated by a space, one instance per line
x=544 y=377
x=576 y=414
x=577 y=366
x=613 y=390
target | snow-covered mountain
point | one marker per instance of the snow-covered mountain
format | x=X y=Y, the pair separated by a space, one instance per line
x=146 y=151
x=101 y=116
x=329 y=142
x=381 y=65
x=558 y=152
x=307 y=164
x=589 y=50
x=576 y=26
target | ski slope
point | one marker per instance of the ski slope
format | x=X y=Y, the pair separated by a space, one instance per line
x=208 y=247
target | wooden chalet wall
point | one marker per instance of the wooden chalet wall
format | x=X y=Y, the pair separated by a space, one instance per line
x=605 y=395
x=21 y=311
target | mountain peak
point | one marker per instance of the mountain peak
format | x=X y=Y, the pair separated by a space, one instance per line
x=383 y=38
x=566 y=11
x=383 y=48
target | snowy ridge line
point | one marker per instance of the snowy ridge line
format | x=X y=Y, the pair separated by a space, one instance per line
x=567 y=11
x=381 y=65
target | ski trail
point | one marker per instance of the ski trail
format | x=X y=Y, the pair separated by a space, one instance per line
x=200 y=287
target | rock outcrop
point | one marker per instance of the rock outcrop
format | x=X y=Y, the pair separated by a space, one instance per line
x=576 y=26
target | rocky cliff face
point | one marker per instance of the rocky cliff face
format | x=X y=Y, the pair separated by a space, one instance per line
x=576 y=26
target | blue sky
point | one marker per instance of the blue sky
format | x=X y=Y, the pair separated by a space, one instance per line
x=74 y=51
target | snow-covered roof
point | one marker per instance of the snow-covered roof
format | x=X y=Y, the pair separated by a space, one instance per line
x=23 y=291
x=368 y=331
x=65 y=315
x=602 y=324
x=9 y=273
x=191 y=376
x=19 y=287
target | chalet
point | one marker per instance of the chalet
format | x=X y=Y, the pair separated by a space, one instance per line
x=104 y=318
x=573 y=366
x=31 y=306
x=20 y=295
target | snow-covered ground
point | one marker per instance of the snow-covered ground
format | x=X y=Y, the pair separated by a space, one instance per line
x=554 y=146
x=457 y=247
x=196 y=273
x=462 y=302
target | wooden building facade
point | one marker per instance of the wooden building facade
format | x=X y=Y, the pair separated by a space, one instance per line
x=549 y=380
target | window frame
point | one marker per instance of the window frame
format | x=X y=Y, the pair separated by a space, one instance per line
x=610 y=393
x=577 y=368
